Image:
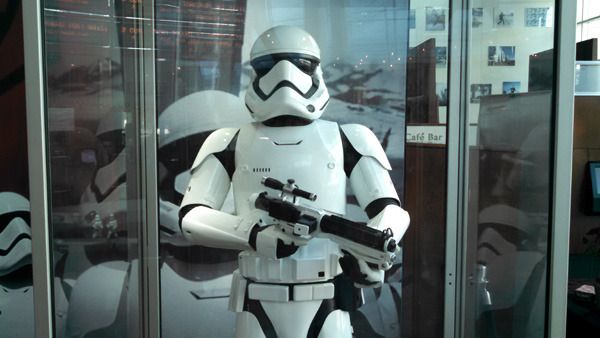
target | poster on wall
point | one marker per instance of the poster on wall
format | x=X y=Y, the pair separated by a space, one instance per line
x=441 y=90
x=435 y=19
x=537 y=17
x=511 y=87
x=504 y=17
x=480 y=89
x=477 y=17
x=501 y=55
x=441 y=56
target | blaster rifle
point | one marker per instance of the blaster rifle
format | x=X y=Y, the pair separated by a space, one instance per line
x=372 y=245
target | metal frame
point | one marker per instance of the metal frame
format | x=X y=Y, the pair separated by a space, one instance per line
x=143 y=188
x=563 y=157
x=38 y=174
x=457 y=124
x=149 y=235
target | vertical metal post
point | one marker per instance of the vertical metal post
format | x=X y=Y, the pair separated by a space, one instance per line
x=563 y=156
x=149 y=255
x=457 y=122
x=38 y=168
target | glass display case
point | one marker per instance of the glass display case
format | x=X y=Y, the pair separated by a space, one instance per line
x=461 y=101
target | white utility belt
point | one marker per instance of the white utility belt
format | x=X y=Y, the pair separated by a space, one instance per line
x=290 y=293
x=276 y=292
x=314 y=262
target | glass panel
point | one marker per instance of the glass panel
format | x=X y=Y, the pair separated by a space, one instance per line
x=426 y=156
x=16 y=289
x=203 y=73
x=93 y=140
x=510 y=72
x=199 y=72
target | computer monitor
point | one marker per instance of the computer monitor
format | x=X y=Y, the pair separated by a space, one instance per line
x=594 y=171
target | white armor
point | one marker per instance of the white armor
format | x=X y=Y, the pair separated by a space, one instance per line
x=286 y=284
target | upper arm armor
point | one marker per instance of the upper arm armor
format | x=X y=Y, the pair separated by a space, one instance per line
x=367 y=166
x=211 y=172
x=215 y=143
x=365 y=143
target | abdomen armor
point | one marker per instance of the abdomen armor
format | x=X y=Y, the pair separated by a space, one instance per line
x=312 y=155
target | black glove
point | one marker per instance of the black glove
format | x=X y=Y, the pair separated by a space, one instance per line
x=270 y=241
x=360 y=272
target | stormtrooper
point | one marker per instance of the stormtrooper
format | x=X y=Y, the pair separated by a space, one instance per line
x=291 y=284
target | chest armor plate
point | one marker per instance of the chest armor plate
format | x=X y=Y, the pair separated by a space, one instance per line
x=312 y=155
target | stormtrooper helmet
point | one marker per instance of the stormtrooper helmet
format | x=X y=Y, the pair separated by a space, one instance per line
x=15 y=232
x=287 y=79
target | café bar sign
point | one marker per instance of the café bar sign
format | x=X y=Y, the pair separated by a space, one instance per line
x=426 y=134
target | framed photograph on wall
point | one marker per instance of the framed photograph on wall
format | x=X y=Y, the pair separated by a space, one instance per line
x=477 y=17
x=435 y=19
x=537 y=17
x=441 y=90
x=511 y=87
x=441 y=56
x=412 y=16
x=501 y=55
x=480 y=89
x=504 y=17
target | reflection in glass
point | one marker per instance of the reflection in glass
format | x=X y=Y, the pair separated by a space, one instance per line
x=509 y=172
x=90 y=62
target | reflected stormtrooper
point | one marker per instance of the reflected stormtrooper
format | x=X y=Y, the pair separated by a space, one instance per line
x=198 y=285
x=102 y=200
x=16 y=284
x=289 y=285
